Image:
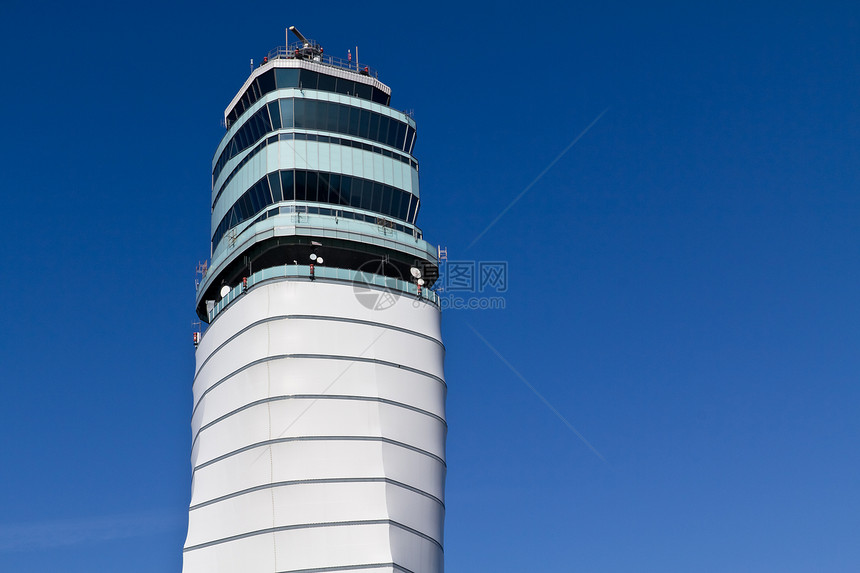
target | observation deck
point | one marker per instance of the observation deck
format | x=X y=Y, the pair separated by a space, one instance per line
x=314 y=163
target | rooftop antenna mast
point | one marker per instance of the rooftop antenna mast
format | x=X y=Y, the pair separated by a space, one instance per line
x=310 y=50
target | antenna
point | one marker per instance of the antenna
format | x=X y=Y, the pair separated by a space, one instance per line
x=301 y=38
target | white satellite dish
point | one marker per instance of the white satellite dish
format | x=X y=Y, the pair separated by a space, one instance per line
x=225 y=290
x=313 y=256
x=319 y=260
x=415 y=272
x=420 y=282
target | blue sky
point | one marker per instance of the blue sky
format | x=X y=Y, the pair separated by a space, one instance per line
x=682 y=281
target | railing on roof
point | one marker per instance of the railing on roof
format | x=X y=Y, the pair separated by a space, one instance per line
x=315 y=53
x=359 y=278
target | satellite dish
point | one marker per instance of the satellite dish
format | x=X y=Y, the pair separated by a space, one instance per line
x=319 y=260
x=420 y=282
x=415 y=272
x=313 y=256
x=225 y=290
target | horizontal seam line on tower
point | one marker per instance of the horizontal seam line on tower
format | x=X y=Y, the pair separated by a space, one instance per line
x=316 y=397
x=318 y=481
x=315 y=357
x=314 y=526
x=318 y=439
x=349 y=568
x=315 y=317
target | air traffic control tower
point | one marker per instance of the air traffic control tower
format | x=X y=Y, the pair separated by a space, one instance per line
x=319 y=394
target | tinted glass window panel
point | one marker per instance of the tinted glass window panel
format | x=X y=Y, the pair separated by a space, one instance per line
x=343 y=119
x=241 y=140
x=387 y=195
x=267 y=82
x=286 y=112
x=287 y=78
x=323 y=191
x=249 y=131
x=287 y=185
x=245 y=207
x=267 y=191
x=354 y=114
x=363 y=91
x=275 y=114
x=308 y=80
x=300 y=113
x=320 y=112
x=301 y=195
x=394 y=209
x=400 y=136
x=383 y=129
x=254 y=196
x=392 y=133
x=258 y=199
x=334 y=189
x=404 y=206
x=327 y=83
x=411 y=207
x=346 y=190
x=311 y=186
x=265 y=120
x=377 y=197
x=366 y=192
x=263 y=124
x=364 y=124
x=309 y=118
x=275 y=185
x=374 y=127
x=344 y=86
x=380 y=97
x=331 y=116
x=253 y=132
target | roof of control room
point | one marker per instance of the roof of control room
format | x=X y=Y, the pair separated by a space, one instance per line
x=305 y=65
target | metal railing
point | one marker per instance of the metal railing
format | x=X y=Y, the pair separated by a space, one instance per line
x=358 y=278
x=314 y=53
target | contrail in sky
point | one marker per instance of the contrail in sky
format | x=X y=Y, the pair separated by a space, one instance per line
x=538 y=178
